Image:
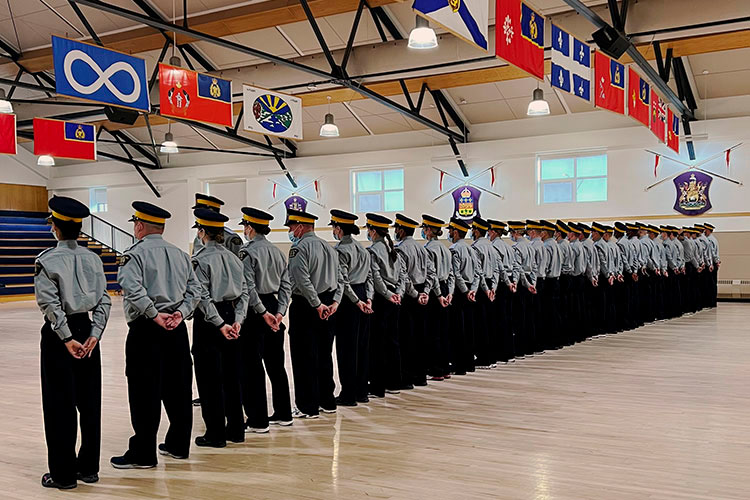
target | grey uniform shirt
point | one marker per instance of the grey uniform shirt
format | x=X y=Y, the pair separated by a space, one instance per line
x=670 y=254
x=266 y=273
x=418 y=265
x=592 y=259
x=713 y=244
x=388 y=276
x=354 y=261
x=222 y=278
x=680 y=252
x=615 y=255
x=602 y=253
x=69 y=279
x=232 y=242
x=552 y=258
x=539 y=257
x=705 y=248
x=566 y=256
x=690 y=254
x=639 y=253
x=155 y=277
x=465 y=266
x=443 y=264
x=525 y=260
x=626 y=251
x=579 y=258
x=650 y=255
x=314 y=269
x=488 y=264
x=510 y=269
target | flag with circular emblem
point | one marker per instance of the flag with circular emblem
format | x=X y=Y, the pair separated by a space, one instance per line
x=272 y=113
x=519 y=37
x=61 y=139
x=194 y=96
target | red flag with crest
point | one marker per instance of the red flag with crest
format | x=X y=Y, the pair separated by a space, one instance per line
x=658 y=116
x=520 y=36
x=609 y=83
x=673 y=134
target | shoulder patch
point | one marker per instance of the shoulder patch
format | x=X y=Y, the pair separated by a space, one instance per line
x=236 y=240
x=243 y=253
x=293 y=252
x=37 y=268
x=195 y=264
x=124 y=259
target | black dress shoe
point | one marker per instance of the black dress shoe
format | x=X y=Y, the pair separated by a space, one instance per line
x=420 y=383
x=236 y=438
x=345 y=402
x=406 y=387
x=164 y=451
x=363 y=400
x=208 y=443
x=197 y=402
x=48 y=482
x=89 y=479
x=124 y=462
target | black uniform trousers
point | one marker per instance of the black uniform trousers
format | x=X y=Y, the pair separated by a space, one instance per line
x=437 y=334
x=71 y=388
x=159 y=370
x=311 y=348
x=551 y=310
x=524 y=321
x=589 y=303
x=484 y=349
x=540 y=302
x=412 y=325
x=714 y=286
x=363 y=358
x=500 y=324
x=350 y=322
x=260 y=345
x=385 y=349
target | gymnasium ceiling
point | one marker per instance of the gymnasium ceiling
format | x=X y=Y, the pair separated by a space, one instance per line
x=485 y=91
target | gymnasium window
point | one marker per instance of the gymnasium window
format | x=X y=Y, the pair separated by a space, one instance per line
x=574 y=179
x=378 y=190
x=98 y=200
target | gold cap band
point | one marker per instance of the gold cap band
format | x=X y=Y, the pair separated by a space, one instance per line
x=255 y=221
x=297 y=218
x=65 y=217
x=208 y=202
x=458 y=226
x=342 y=220
x=426 y=222
x=377 y=224
x=149 y=218
x=402 y=222
x=483 y=228
x=209 y=223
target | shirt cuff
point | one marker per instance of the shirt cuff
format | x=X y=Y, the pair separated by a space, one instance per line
x=96 y=332
x=151 y=312
x=185 y=311
x=64 y=332
x=259 y=308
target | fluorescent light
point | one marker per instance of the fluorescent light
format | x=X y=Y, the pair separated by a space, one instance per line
x=538 y=106
x=329 y=128
x=46 y=161
x=5 y=105
x=422 y=36
x=169 y=146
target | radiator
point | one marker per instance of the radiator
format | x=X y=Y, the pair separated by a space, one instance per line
x=735 y=289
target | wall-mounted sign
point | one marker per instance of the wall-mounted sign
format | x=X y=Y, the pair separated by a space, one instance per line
x=692 y=193
x=466 y=202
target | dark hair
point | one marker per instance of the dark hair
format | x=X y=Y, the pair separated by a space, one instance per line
x=436 y=230
x=347 y=229
x=408 y=231
x=260 y=228
x=214 y=233
x=461 y=232
x=68 y=230
x=383 y=232
x=482 y=232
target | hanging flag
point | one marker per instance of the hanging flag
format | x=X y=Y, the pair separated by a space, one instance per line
x=467 y=19
x=317 y=189
x=673 y=134
x=656 y=164
x=520 y=36
x=727 y=158
x=492 y=178
x=442 y=174
x=571 y=64
x=609 y=79
x=91 y=72
x=61 y=139
x=274 y=190
x=272 y=113
x=640 y=97
x=658 y=116
x=194 y=96
x=7 y=134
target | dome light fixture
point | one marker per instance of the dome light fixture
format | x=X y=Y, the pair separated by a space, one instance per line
x=422 y=36
x=46 y=161
x=329 y=128
x=5 y=105
x=538 y=106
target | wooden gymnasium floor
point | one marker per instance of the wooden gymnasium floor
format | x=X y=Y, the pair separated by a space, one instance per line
x=658 y=413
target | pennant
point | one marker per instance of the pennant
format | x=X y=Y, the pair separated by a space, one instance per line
x=467 y=19
x=727 y=158
x=658 y=116
x=274 y=190
x=492 y=177
x=520 y=36
x=571 y=64
x=60 y=139
x=272 y=113
x=317 y=189
x=194 y=96
x=640 y=97
x=609 y=78
x=442 y=174
x=7 y=134
x=673 y=134
x=656 y=164
x=86 y=71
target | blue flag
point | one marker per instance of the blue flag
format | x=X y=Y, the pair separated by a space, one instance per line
x=97 y=74
x=571 y=64
x=468 y=19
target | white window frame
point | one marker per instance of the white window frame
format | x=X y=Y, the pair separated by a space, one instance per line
x=353 y=193
x=94 y=206
x=573 y=180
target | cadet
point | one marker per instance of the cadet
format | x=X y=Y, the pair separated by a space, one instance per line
x=552 y=284
x=485 y=335
x=524 y=315
x=706 y=276
x=216 y=328
x=509 y=274
x=352 y=328
x=389 y=280
x=262 y=343
x=231 y=239
x=661 y=264
x=691 y=269
x=568 y=297
x=606 y=278
x=716 y=261
x=467 y=275
x=69 y=283
x=412 y=321
x=438 y=311
x=160 y=290
x=533 y=230
x=626 y=294
x=640 y=278
x=616 y=265
x=578 y=280
x=591 y=291
x=317 y=288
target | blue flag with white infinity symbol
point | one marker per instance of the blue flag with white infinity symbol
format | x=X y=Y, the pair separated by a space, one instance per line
x=97 y=74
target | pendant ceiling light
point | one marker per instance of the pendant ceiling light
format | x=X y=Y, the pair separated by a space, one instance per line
x=169 y=146
x=46 y=161
x=538 y=106
x=329 y=128
x=422 y=36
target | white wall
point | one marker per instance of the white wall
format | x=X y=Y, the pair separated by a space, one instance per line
x=22 y=169
x=630 y=171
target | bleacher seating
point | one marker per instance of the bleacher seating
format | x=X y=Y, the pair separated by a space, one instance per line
x=23 y=235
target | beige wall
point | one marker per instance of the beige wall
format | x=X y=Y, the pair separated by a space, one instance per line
x=734 y=250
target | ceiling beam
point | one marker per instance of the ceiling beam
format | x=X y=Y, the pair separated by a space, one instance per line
x=222 y=23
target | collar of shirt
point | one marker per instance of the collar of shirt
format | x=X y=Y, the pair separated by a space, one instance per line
x=258 y=237
x=308 y=234
x=72 y=244
x=347 y=239
x=211 y=243
x=152 y=237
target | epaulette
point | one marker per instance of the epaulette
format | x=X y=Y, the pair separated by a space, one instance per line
x=45 y=251
x=131 y=247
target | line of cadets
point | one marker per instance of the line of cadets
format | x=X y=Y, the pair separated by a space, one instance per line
x=400 y=313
